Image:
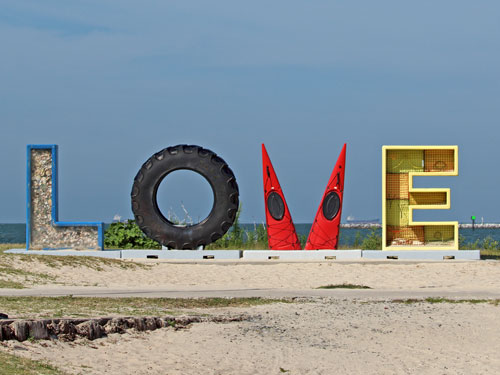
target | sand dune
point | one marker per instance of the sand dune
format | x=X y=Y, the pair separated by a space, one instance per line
x=472 y=275
x=320 y=336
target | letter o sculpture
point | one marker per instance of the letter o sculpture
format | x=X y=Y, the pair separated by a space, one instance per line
x=197 y=159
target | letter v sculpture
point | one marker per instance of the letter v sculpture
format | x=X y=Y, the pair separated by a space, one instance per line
x=281 y=232
x=324 y=232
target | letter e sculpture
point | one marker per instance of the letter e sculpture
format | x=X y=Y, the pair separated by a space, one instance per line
x=399 y=198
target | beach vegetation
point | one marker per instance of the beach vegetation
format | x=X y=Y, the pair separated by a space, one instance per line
x=343 y=286
x=75 y=307
x=17 y=278
x=19 y=271
x=8 y=246
x=490 y=248
x=373 y=241
x=127 y=235
x=358 y=238
x=239 y=238
x=433 y=300
x=487 y=243
x=13 y=365
x=9 y=284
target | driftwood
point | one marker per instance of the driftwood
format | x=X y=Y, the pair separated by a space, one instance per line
x=70 y=329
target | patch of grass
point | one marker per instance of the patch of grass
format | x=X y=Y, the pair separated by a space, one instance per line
x=6 y=260
x=94 y=263
x=68 y=306
x=490 y=254
x=7 y=284
x=343 y=286
x=239 y=238
x=408 y=301
x=8 y=246
x=18 y=269
x=12 y=365
x=373 y=241
x=490 y=249
x=19 y=276
x=17 y=272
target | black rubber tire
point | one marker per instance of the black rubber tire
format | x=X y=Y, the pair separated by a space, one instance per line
x=195 y=158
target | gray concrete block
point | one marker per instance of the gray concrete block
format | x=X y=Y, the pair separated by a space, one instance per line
x=301 y=254
x=181 y=254
x=422 y=254
x=114 y=254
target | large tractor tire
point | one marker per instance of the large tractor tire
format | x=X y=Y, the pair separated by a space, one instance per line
x=197 y=159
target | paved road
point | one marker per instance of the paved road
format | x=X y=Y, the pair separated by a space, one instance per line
x=378 y=294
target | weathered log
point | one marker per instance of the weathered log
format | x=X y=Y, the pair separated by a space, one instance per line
x=7 y=332
x=90 y=329
x=140 y=325
x=38 y=330
x=21 y=330
x=116 y=325
x=70 y=329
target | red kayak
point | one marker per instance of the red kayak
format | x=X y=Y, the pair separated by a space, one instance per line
x=324 y=232
x=280 y=229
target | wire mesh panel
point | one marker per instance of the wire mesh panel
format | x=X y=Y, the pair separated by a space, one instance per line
x=426 y=199
x=397 y=186
x=439 y=161
x=397 y=212
x=404 y=236
x=439 y=234
x=401 y=163
x=404 y=161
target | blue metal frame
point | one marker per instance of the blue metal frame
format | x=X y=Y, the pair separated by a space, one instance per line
x=55 y=212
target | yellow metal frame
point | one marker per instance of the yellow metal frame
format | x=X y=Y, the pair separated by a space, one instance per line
x=445 y=206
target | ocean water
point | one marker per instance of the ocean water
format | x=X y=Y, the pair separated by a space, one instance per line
x=16 y=233
x=12 y=233
x=348 y=235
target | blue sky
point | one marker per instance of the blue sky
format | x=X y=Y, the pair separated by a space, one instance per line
x=112 y=82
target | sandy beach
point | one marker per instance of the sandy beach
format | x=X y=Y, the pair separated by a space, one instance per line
x=386 y=275
x=352 y=333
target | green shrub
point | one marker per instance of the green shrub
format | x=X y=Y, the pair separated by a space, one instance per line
x=357 y=239
x=302 y=240
x=127 y=235
x=372 y=242
x=490 y=244
x=487 y=243
x=238 y=238
x=261 y=235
